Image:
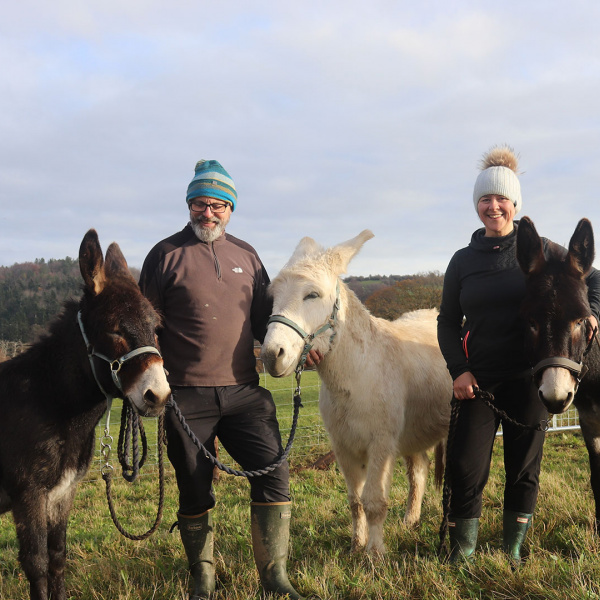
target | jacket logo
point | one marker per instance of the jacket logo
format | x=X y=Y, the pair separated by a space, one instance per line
x=237 y=270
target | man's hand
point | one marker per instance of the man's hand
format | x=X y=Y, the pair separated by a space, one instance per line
x=313 y=358
x=594 y=325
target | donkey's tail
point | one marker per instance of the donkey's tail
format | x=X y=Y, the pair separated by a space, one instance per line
x=440 y=463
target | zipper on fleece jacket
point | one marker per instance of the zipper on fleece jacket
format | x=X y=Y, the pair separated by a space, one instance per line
x=216 y=261
x=464 y=345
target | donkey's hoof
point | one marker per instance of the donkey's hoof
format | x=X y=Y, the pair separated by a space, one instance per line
x=376 y=551
x=412 y=522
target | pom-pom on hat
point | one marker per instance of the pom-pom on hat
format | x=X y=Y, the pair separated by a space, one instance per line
x=499 y=176
x=212 y=180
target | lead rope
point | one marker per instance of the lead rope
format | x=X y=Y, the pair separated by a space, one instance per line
x=131 y=428
x=488 y=399
x=447 y=487
x=258 y=472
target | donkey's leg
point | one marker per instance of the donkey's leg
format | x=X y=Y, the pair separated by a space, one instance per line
x=375 y=495
x=58 y=517
x=417 y=467
x=29 y=514
x=354 y=471
x=591 y=434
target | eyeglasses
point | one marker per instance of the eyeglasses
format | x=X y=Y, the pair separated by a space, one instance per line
x=215 y=207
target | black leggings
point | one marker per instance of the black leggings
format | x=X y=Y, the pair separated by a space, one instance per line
x=244 y=419
x=470 y=453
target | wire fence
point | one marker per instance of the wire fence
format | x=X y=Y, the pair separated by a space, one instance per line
x=310 y=442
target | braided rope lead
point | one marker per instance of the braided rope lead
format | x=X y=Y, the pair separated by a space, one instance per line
x=447 y=488
x=107 y=476
x=488 y=399
x=225 y=468
x=131 y=429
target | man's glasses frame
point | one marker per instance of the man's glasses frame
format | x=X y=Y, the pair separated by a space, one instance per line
x=215 y=207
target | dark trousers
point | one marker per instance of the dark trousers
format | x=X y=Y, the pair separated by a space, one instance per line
x=244 y=419
x=470 y=454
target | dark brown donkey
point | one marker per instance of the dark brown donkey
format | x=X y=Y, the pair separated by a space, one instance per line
x=556 y=309
x=50 y=403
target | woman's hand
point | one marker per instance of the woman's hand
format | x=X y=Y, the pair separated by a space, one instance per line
x=594 y=325
x=463 y=386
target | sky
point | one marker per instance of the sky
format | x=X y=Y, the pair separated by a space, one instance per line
x=331 y=117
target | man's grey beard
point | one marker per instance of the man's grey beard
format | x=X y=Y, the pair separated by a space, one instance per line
x=208 y=235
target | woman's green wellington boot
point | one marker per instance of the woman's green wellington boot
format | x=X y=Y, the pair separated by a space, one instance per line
x=463 y=538
x=515 y=529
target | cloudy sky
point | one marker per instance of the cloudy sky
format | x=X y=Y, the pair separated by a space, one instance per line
x=331 y=117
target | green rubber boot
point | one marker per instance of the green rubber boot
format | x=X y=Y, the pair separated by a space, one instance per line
x=515 y=528
x=270 y=540
x=198 y=541
x=463 y=538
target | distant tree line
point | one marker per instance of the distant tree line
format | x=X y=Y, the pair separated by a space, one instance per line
x=32 y=294
x=409 y=293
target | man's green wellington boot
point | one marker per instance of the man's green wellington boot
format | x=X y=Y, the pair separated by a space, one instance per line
x=198 y=541
x=270 y=540
x=515 y=529
x=463 y=538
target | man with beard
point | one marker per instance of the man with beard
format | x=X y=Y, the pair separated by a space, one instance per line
x=211 y=289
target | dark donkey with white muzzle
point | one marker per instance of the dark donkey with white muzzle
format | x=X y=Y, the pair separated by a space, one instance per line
x=560 y=342
x=53 y=395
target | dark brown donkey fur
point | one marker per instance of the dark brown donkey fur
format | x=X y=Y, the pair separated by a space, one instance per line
x=50 y=404
x=556 y=311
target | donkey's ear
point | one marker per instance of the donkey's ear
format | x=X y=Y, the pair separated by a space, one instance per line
x=116 y=265
x=581 y=248
x=342 y=254
x=91 y=263
x=306 y=248
x=530 y=251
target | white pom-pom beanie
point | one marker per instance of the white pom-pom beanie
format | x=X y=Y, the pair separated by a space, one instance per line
x=499 y=176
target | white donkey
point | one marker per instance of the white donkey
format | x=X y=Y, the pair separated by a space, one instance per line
x=385 y=387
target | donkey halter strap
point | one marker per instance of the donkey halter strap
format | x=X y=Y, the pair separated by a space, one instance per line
x=115 y=365
x=308 y=338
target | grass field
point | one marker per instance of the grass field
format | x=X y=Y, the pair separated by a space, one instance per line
x=562 y=563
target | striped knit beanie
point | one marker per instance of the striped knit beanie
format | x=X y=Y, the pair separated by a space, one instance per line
x=499 y=176
x=212 y=180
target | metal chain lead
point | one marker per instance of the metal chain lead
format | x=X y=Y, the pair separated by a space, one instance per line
x=105 y=449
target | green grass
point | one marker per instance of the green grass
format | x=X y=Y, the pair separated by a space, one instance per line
x=562 y=551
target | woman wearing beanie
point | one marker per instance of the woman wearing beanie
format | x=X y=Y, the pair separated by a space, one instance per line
x=482 y=339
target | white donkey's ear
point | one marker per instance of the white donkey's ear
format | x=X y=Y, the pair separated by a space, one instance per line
x=341 y=255
x=306 y=248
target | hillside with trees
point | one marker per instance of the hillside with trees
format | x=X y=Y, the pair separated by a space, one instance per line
x=409 y=293
x=32 y=294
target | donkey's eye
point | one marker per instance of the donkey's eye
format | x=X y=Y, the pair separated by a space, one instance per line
x=533 y=325
x=311 y=296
